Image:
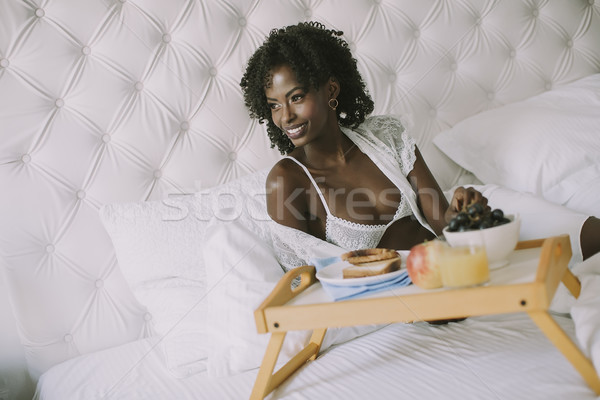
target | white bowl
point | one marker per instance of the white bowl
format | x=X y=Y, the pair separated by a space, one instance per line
x=499 y=241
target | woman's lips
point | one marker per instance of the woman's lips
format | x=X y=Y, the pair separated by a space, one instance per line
x=296 y=131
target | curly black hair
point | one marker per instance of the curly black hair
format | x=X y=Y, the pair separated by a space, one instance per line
x=315 y=54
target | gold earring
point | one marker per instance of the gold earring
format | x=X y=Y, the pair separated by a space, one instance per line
x=334 y=105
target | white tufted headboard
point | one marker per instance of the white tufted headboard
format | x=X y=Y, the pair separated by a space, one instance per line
x=123 y=100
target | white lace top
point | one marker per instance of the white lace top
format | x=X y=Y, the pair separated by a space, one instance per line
x=352 y=235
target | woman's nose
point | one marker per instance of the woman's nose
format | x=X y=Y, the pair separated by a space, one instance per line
x=287 y=114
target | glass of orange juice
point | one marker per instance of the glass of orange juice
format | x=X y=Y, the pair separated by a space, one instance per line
x=464 y=266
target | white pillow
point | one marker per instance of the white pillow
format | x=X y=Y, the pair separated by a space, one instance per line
x=159 y=249
x=548 y=145
x=242 y=270
x=159 y=246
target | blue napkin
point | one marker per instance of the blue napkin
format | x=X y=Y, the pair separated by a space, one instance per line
x=339 y=293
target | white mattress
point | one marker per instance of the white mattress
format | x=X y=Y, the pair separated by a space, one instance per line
x=492 y=357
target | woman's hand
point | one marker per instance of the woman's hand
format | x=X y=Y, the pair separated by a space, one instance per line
x=462 y=199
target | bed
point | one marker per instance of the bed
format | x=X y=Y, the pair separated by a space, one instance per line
x=125 y=136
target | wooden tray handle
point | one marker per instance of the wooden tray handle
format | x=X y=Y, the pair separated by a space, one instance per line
x=284 y=292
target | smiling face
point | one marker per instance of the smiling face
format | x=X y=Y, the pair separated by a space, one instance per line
x=301 y=113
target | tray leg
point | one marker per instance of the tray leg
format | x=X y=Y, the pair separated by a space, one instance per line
x=564 y=343
x=266 y=368
x=317 y=338
x=571 y=282
x=267 y=381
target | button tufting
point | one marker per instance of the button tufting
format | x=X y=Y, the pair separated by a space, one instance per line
x=432 y=112
x=166 y=38
x=40 y=12
x=86 y=50
x=308 y=13
x=50 y=248
x=392 y=77
x=123 y=1
x=106 y=138
x=185 y=125
x=377 y=1
x=513 y=54
x=417 y=33
x=491 y=95
x=212 y=71
x=591 y=2
x=147 y=316
x=157 y=174
x=25 y=158
x=81 y=194
x=242 y=21
x=453 y=67
x=233 y=156
x=4 y=63
x=535 y=12
x=569 y=43
x=59 y=103
x=139 y=86
x=548 y=85
x=68 y=338
x=352 y=46
x=478 y=21
x=99 y=283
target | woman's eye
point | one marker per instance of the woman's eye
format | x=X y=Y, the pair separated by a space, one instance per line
x=297 y=97
x=273 y=106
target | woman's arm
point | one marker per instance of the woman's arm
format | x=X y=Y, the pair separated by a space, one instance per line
x=590 y=237
x=431 y=199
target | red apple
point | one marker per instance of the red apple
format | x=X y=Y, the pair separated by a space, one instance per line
x=423 y=264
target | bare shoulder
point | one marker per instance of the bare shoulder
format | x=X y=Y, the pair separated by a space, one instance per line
x=285 y=174
x=286 y=194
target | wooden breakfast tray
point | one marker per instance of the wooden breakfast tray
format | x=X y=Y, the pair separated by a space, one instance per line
x=527 y=284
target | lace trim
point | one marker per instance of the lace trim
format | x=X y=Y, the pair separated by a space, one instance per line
x=386 y=128
x=294 y=248
x=364 y=227
x=403 y=209
x=407 y=153
x=392 y=131
x=352 y=235
x=353 y=239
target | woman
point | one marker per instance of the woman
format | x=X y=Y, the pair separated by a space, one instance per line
x=355 y=181
x=335 y=183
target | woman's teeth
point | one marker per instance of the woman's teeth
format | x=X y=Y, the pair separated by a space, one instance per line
x=295 y=131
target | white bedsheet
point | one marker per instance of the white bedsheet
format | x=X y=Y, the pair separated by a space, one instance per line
x=585 y=310
x=492 y=357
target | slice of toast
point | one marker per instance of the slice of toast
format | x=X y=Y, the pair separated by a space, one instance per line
x=372 y=268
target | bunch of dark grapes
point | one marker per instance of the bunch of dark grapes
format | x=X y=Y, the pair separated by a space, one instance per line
x=476 y=217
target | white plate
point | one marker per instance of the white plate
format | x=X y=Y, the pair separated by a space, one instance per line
x=333 y=274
